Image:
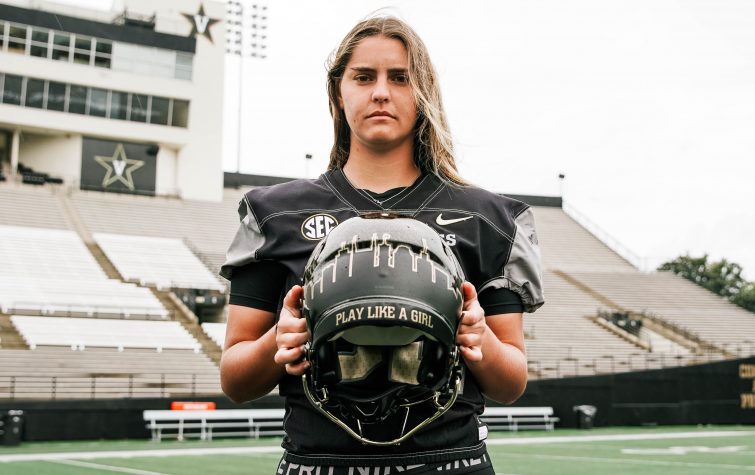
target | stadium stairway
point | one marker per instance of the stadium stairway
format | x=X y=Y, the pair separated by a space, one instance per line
x=103 y=261
x=662 y=327
x=190 y=322
x=613 y=306
x=10 y=338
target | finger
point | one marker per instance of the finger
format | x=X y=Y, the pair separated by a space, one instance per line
x=471 y=319
x=297 y=369
x=468 y=340
x=290 y=324
x=291 y=340
x=472 y=354
x=289 y=355
x=292 y=301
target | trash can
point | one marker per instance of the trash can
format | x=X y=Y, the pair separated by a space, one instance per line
x=10 y=428
x=585 y=415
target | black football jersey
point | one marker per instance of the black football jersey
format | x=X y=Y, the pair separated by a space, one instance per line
x=493 y=237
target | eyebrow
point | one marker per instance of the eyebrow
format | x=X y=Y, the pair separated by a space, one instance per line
x=365 y=69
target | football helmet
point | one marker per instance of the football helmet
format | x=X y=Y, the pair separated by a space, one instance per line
x=382 y=300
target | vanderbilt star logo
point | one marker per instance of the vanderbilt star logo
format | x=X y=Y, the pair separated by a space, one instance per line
x=446 y=222
x=119 y=168
x=200 y=23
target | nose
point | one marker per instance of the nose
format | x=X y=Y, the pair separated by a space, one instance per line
x=381 y=91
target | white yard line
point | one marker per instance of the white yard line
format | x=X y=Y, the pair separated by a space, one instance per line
x=613 y=461
x=618 y=437
x=277 y=449
x=124 y=454
x=110 y=468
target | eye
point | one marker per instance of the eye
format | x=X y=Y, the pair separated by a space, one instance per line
x=401 y=78
x=362 y=78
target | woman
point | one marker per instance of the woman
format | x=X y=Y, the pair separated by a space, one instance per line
x=392 y=151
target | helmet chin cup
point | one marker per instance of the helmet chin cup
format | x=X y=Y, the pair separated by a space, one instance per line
x=382 y=300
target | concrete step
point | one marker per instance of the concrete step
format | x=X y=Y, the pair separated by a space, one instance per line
x=9 y=336
x=190 y=322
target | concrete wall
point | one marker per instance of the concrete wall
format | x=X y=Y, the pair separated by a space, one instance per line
x=57 y=155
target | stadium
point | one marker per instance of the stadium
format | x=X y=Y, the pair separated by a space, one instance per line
x=115 y=216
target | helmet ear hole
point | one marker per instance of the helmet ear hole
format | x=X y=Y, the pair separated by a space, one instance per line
x=433 y=363
x=327 y=367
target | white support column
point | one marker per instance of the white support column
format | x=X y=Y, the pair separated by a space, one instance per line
x=14 y=146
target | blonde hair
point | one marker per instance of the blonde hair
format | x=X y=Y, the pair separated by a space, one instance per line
x=433 y=145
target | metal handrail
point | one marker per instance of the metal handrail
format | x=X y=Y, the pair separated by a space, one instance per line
x=88 y=386
x=570 y=366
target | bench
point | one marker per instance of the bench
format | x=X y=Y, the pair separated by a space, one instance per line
x=516 y=418
x=208 y=424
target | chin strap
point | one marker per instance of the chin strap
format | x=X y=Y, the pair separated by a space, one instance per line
x=440 y=409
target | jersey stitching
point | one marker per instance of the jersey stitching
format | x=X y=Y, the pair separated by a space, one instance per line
x=366 y=195
x=299 y=211
x=250 y=208
x=508 y=254
x=525 y=208
x=428 y=200
x=409 y=194
x=338 y=193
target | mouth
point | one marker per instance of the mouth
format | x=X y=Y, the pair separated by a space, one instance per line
x=380 y=114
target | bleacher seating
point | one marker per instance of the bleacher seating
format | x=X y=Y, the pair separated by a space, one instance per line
x=216 y=331
x=567 y=246
x=84 y=333
x=50 y=271
x=678 y=301
x=60 y=373
x=31 y=207
x=209 y=227
x=562 y=340
x=152 y=261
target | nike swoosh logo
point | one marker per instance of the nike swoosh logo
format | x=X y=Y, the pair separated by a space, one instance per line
x=446 y=222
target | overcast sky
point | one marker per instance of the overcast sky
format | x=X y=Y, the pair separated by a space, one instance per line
x=647 y=107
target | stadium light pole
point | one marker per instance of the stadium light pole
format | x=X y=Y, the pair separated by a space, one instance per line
x=246 y=36
x=307 y=159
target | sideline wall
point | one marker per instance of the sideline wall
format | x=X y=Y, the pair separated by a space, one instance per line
x=712 y=393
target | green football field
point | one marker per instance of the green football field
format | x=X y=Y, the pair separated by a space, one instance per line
x=614 y=451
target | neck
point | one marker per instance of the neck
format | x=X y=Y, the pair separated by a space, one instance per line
x=379 y=172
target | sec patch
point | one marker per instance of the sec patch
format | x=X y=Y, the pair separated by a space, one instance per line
x=318 y=226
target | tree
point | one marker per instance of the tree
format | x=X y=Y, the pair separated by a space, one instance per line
x=746 y=297
x=721 y=277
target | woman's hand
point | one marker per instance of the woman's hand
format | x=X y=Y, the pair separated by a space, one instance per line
x=472 y=326
x=291 y=334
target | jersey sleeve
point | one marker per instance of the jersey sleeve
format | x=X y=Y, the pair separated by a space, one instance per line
x=248 y=239
x=522 y=272
x=258 y=285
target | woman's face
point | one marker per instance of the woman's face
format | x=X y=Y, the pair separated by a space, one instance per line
x=375 y=94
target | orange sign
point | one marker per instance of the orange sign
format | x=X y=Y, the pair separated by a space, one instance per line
x=192 y=406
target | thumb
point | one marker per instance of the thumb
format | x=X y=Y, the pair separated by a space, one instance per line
x=292 y=300
x=469 y=291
